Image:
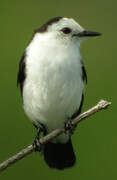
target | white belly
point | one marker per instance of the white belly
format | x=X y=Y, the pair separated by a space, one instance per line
x=52 y=89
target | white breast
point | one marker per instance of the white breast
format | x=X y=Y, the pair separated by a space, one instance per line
x=53 y=87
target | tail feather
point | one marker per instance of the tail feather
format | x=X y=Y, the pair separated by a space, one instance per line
x=59 y=156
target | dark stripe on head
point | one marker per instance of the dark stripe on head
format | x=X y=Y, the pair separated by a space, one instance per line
x=44 y=27
x=21 y=73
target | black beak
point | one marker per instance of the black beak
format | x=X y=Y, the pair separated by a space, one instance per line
x=88 y=33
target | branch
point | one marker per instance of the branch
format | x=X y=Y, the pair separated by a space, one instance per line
x=102 y=104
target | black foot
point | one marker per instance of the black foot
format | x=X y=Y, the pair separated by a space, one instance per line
x=36 y=143
x=69 y=127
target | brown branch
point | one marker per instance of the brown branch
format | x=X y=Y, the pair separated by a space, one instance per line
x=28 y=150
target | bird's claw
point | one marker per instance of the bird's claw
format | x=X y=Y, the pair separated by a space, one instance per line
x=69 y=126
x=37 y=145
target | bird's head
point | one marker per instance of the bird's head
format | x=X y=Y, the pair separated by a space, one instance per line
x=66 y=29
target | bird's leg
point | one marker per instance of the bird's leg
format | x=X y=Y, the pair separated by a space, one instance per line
x=69 y=126
x=36 y=143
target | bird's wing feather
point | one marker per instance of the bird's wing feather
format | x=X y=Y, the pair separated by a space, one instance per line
x=84 y=74
x=78 y=111
x=84 y=78
x=21 y=73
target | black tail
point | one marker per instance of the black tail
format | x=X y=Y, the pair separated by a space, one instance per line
x=59 y=156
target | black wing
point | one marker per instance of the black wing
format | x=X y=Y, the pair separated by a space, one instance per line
x=80 y=108
x=84 y=78
x=84 y=74
x=21 y=73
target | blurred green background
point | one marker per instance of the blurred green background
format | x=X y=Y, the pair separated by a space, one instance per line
x=95 y=140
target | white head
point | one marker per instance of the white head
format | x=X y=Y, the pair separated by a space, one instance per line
x=66 y=29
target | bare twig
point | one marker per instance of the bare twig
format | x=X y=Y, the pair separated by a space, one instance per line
x=102 y=104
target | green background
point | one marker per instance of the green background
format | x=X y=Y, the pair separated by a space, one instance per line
x=95 y=140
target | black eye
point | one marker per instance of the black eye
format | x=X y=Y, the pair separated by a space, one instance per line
x=66 y=30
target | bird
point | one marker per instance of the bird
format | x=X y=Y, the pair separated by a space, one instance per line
x=52 y=79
